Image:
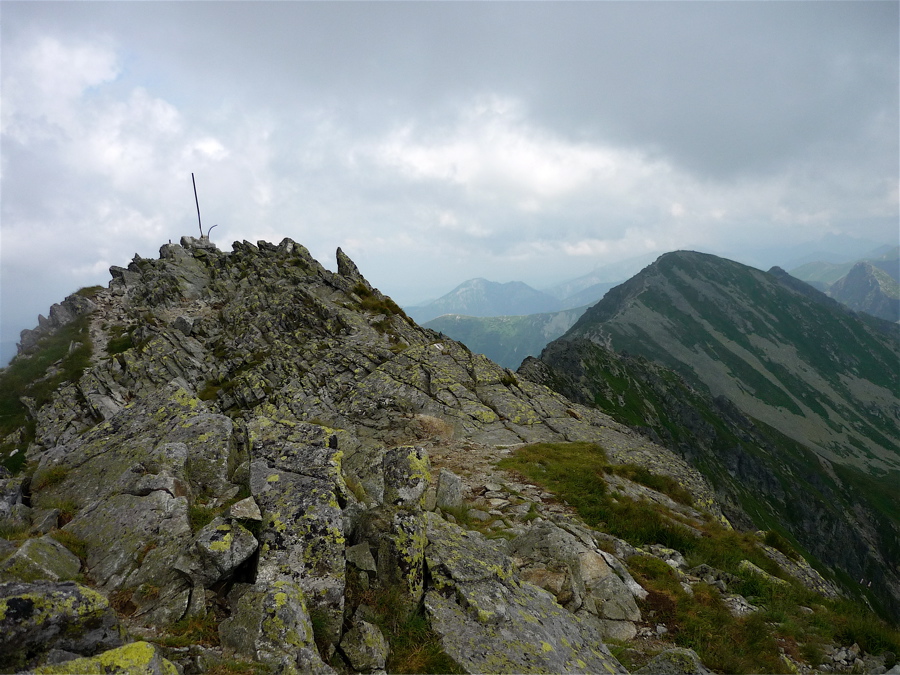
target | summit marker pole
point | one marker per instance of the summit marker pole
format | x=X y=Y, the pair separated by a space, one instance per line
x=197 y=201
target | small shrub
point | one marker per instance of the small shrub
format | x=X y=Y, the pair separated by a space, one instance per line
x=52 y=476
x=237 y=667
x=195 y=630
x=121 y=601
x=14 y=530
x=68 y=508
x=121 y=340
x=812 y=653
x=664 y=484
x=356 y=488
x=200 y=515
x=89 y=291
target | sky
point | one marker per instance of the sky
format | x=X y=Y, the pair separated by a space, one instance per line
x=440 y=141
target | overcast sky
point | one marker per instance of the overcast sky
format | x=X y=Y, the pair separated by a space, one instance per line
x=436 y=142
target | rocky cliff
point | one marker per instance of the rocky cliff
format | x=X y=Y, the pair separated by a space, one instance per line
x=242 y=460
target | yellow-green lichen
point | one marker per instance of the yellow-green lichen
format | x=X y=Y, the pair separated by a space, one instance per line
x=134 y=658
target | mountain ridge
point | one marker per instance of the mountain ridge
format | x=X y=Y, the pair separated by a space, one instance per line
x=789 y=360
x=242 y=460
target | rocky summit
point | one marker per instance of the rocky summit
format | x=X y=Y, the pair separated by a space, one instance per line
x=241 y=462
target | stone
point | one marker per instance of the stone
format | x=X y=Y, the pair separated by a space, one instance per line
x=224 y=546
x=269 y=622
x=361 y=556
x=449 y=490
x=591 y=583
x=401 y=556
x=246 y=509
x=10 y=493
x=136 y=658
x=37 y=617
x=675 y=661
x=40 y=559
x=44 y=520
x=406 y=476
x=365 y=647
x=750 y=568
x=738 y=605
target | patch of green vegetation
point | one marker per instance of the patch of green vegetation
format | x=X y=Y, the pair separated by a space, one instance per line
x=237 y=667
x=68 y=507
x=59 y=357
x=749 y=644
x=120 y=340
x=665 y=484
x=89 y=291
x=200 y=515
x=12 y=530
x=574 y=473
x=195 y=630
x=376 y=303
x=52 y=476
x=774 y=539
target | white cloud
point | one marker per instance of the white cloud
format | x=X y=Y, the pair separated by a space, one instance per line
x=494 y=154
x=42 y=85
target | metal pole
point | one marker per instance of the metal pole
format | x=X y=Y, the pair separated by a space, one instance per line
x=198 y=204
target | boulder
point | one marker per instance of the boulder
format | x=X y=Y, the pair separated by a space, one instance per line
x=40 y=559
x=10 y=493
x=221 y=547
x=131 y=481
x=365 y=647
x=269 y=622
x=576 y=573
x=38 y=617
x=406 y=476
x=295 y=477
x=491 y=622
x=449 y=490
x=246 y=509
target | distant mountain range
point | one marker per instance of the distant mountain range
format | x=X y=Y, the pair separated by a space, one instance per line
x=783 y=396
x=507 y=322
x=480 y=297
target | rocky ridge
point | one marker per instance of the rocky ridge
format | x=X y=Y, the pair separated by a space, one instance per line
x=266 y=448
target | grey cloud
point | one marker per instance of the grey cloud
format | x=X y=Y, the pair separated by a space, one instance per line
x=749 y=107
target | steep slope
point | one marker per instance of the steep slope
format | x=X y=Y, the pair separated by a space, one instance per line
x=868 y=289
x=506 y=340
x=755 y=470
x=480 y=297
x=817 y=374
